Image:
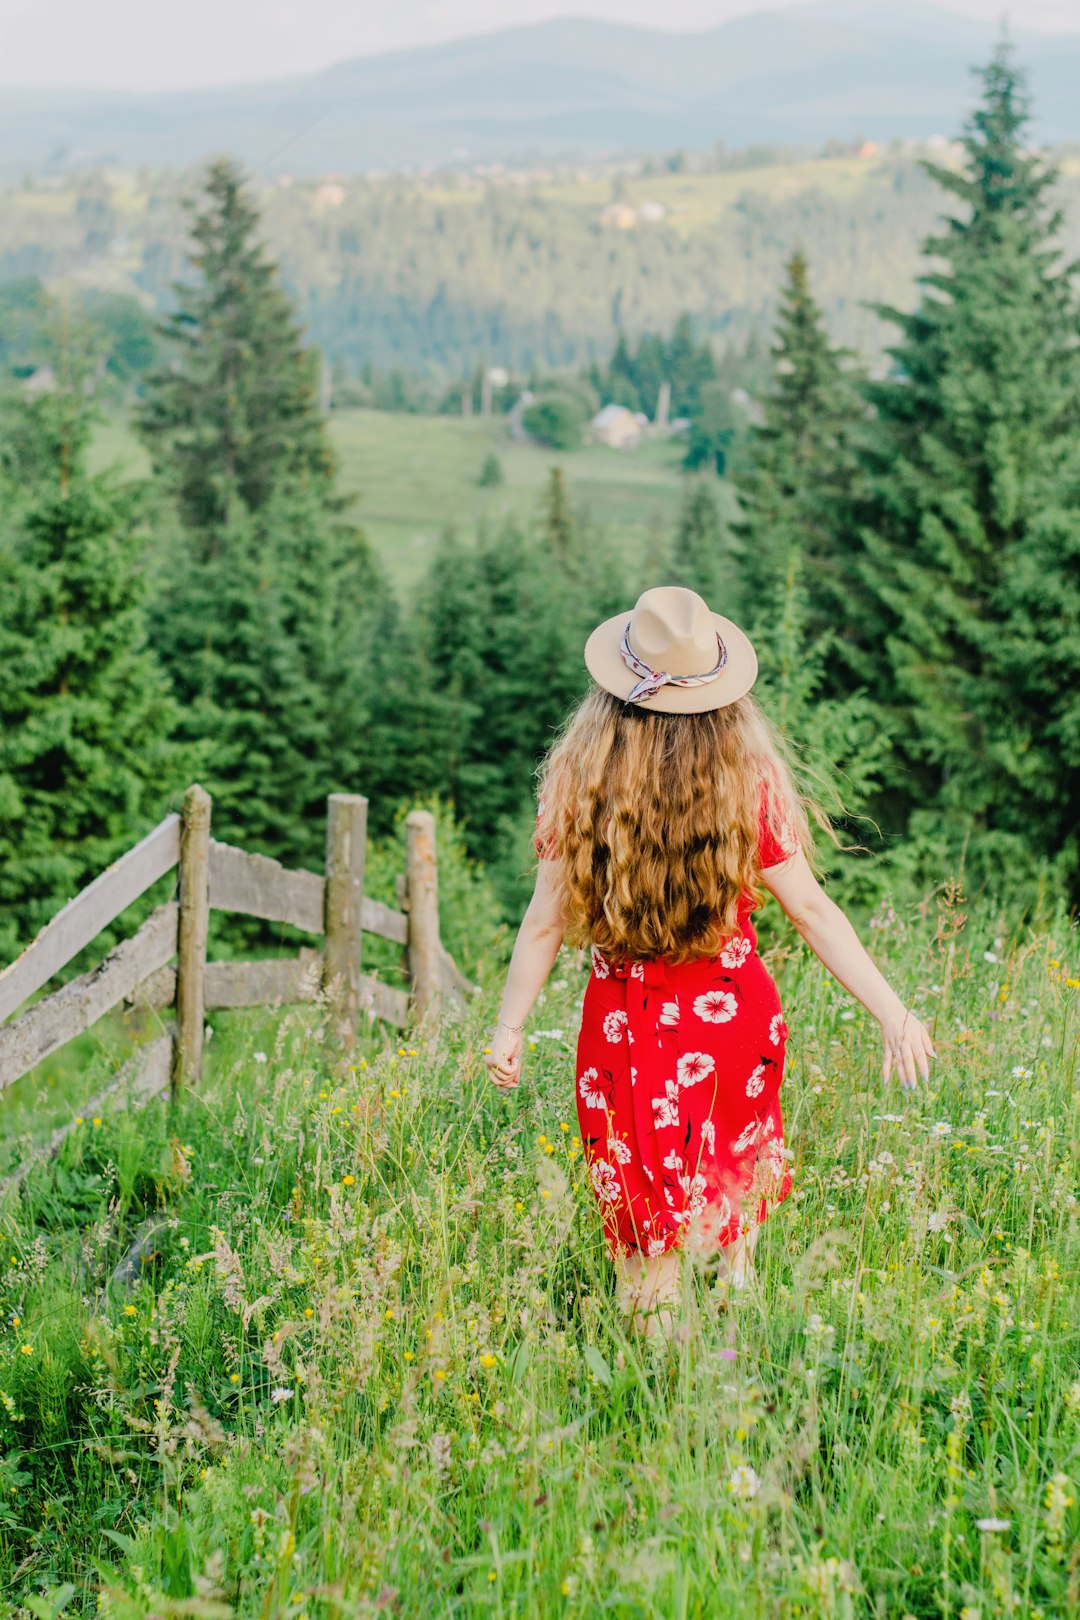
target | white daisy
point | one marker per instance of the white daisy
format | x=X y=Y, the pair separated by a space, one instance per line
x=776 y=1024
x=605 y=1181
x=716 y=1006
x=599 y=964
x=619 y=1149
x=614 y=1024
x=735 y=954
x=756 y=1083
x=587 y=1087
x=666 y=1107
x=694 y=1066
x=669 y=1014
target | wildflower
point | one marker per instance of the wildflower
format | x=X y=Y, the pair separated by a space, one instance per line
x=27 y=1349
x=389 y=1314
x=1020 y=1073
x=992 y=1526
x=1057 y=1501
x=744 y=1483
x=129 y=1310
x=308 y=1312
x=488 y=1360
x=78 y=1120
x=1073 y=984
x=440 y=1374
x=407 y=1355
x=938 y=1221
x=280 y=1394
x=348 y=1181
x=989 y=956
x=259 y=1057
x=940 y=1128
x=96 y=1120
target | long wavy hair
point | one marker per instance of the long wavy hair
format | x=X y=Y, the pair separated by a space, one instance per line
x=655 y=818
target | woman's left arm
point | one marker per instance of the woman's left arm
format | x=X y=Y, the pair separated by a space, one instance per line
x=535 y=949
x=830 y=935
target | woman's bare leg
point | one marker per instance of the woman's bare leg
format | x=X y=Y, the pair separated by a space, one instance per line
x=647 y=1288
x=736 y=1260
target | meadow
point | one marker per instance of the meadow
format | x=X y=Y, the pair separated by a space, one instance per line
x=363 y=1357
x=411 y=477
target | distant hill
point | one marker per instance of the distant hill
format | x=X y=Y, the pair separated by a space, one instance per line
x=836 y=69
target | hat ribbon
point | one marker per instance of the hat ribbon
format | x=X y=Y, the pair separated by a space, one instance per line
x=653 y=679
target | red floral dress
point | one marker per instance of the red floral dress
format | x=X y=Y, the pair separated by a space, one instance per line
x=679 y=1068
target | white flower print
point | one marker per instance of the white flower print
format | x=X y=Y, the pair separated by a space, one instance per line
x=633 y=1075
x=669 y=1014
x=637 y=970
x=619 y=1149
x=587 y=1087
x=656 y=1246
x=599 y=964
x=694 y=1187
x=708 y=1136
x=666 y=1107
x=776 y=1024
x=756 y=1083
x=770 y=1126
x=716 y=1006
x=694 y=1066
x=673 y=1160
x=669 y=1195
x=723 y=1210
x=614 y=1024
x=735 y=954
x=605 y=1181
x=746 y=1136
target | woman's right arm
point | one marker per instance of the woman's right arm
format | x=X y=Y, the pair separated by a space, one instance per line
x=535 y=949
x=830 y=935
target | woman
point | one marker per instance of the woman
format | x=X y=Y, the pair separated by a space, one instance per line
x=663 y=805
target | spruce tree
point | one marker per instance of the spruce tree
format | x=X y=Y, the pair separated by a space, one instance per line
x=799 y=475
x=973 y=469
x=86 y=761
x=701 y=555
x=234 y=413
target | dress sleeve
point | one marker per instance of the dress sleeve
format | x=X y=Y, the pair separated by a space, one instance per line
x=773 y=851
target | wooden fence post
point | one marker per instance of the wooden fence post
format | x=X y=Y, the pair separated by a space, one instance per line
x=346 y=842
x=192 y=933
x=425 y=951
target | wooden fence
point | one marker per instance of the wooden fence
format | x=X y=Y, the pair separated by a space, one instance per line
x=213 y=876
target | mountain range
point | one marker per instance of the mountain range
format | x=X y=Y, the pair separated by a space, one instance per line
x=569 y=88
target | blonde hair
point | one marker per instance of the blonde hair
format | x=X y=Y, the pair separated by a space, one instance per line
x=656 y=820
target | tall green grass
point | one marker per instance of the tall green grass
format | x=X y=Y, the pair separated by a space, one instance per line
x=368 y=1361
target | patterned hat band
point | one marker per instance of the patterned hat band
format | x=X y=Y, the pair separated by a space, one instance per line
x=653 y=679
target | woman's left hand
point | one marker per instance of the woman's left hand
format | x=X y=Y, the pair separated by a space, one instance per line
x=504 y=1059
x=908 y=1047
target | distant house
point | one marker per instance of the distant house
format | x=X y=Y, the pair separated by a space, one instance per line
x=617 y=427
x=620 y=215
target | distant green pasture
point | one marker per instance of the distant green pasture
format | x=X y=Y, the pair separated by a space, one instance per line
x=414 y=476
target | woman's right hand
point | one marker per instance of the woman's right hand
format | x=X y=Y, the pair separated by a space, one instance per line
x=504 y=1059
x=909 y=1047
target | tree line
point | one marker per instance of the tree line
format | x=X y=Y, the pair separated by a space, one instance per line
x=907 y=557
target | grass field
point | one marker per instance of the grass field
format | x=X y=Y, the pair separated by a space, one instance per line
x=371 y=1365
x=414 y=476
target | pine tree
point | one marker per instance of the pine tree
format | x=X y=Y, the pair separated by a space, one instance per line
x=800 y=469
x=235 y=412
x=86 y=761
x=973 y=470
x=701 y=556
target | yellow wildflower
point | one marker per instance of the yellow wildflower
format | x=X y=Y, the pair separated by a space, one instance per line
x=348 y=1181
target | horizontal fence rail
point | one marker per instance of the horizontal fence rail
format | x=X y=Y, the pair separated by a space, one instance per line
x=164 y=965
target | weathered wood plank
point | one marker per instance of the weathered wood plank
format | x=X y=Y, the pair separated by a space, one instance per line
x=346 y=847
x=424 y=943
x=192 y=936
x=454 y=983
x=380 y=1000
x=57 y=1019
x=83 y=918
x=257 y=886
x=273 y=982
x=384 y=921
x=144 y=1075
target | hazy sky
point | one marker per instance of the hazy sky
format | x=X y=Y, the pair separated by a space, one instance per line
x=158 y=44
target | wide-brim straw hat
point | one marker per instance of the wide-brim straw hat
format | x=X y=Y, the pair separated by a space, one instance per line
x=670 y=653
